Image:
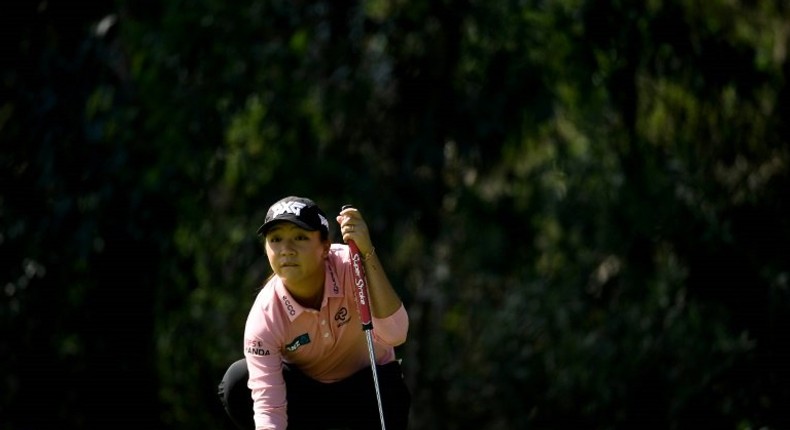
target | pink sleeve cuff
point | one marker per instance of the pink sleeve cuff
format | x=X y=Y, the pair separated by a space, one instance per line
x=393 y=329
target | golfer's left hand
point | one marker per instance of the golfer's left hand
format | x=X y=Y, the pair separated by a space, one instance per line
x=353 y=227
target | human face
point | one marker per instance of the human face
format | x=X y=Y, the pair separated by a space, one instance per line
x=296 y=255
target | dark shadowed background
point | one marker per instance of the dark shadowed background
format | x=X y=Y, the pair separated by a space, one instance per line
x=584 y=204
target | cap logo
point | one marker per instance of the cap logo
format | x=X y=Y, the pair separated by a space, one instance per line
x=287 y=207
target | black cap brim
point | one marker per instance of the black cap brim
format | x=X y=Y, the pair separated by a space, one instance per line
x=262 y=230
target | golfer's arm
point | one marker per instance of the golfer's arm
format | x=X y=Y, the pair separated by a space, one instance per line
x=384 y=301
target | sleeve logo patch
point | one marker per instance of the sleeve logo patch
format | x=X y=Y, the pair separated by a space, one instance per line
x=299 y=341
x=255 y=347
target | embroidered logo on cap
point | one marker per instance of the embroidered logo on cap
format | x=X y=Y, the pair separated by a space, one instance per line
x=324 y=222
x=287 y=207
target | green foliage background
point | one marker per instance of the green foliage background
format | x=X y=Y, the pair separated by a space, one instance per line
x=579 y=201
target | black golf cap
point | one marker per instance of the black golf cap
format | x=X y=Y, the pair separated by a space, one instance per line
x=298 y=210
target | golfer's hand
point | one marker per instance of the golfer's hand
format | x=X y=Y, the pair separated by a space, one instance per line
x=353 y=227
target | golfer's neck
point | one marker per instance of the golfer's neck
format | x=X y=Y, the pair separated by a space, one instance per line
x=310 y=292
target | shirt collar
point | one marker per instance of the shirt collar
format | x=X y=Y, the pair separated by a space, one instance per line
x=333 y=286
x=292 y=308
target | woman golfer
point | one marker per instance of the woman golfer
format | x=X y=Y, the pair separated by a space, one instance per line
x=307 y=362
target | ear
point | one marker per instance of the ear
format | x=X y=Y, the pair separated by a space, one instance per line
x=327 y=244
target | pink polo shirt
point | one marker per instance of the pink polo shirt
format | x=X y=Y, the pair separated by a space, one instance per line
x=327 y=344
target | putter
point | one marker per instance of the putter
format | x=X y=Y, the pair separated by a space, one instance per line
x=363 y=305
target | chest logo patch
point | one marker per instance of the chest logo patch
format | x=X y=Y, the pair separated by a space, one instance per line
x=299 y=341
x=341 y=317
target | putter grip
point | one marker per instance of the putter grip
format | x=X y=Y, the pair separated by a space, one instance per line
x=360 y=284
